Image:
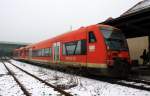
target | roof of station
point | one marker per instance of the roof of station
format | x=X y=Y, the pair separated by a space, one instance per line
x=138 y=7
x=135 y=22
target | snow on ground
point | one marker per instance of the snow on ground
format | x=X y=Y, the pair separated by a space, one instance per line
x=8 y=87
x=35 y=87
x=85 y=86
x=3 y=70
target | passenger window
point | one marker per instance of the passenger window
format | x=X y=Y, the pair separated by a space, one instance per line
x=42 y=52
x=64 y=49
x=50 y=51
x=92 y=37
x=75 y=48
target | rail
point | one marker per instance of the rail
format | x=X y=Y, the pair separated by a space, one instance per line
x=46 y=83
x=18 y=82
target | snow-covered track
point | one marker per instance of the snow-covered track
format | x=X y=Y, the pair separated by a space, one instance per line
x=17 y=81
x=46 y=83
x=132 y=83
x=123 y=82
x=135 y=83
x=139 y=81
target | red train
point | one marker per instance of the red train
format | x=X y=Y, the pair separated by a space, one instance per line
x=101 y=49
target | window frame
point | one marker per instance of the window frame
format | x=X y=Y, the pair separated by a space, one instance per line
x=83 y=45
x=41 y=52
x=93 y=37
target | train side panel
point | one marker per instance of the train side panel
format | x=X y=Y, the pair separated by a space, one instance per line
x=96 y=53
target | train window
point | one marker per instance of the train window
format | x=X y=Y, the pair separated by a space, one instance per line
x=114 y=38
x=50 y=51
x=71 y=47
x=43 y=52
x=33 y=53
x=92 y=37
x=78 y=48
x=83 y=47
x=39 y=52
x=36 y=52
x=75 y=48
x=46 y=52
x=64 y=49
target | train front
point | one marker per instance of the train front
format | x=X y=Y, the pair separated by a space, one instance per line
x=117 y=51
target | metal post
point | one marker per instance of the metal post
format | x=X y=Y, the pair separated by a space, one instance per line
x=149 y=43
x=149 y=49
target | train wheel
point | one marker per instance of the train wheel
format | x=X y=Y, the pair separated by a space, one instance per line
x=121 y=68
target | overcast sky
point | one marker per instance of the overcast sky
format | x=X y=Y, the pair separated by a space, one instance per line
x=35 y=20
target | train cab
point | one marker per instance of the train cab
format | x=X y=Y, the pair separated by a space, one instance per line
x=117 y=49
x=107 y=50
x=116 y=44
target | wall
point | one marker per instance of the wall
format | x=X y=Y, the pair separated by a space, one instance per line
x=136 y=47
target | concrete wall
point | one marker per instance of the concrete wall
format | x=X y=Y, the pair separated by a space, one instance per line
x=136 y=47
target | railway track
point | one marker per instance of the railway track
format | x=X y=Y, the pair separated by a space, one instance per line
x=17 y=81
x=62 y=92
x=139 y=81
x=130 y=82
x=135 y=83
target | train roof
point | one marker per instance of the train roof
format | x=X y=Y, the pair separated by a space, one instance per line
x=67 y=34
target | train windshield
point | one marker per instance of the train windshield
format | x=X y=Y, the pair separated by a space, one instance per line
x=114 y=38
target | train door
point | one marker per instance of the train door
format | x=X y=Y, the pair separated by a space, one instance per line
x=56 y=51
x=91 y=49
x=30 y=53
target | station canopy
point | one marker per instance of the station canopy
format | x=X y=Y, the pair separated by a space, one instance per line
x=135 y=22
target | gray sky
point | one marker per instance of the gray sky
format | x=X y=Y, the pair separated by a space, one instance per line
x=36 y=20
